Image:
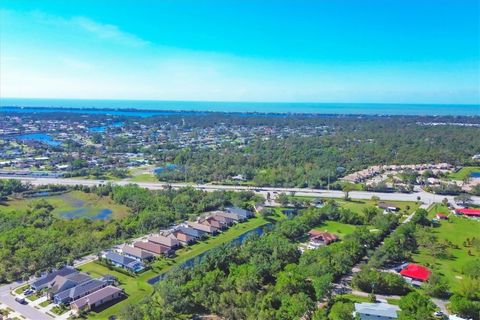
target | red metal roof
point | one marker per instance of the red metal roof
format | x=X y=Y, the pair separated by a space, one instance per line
x=469 y=212
x=416 y=271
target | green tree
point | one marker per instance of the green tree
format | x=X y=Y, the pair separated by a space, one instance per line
x=415 y=306
x=341 y=311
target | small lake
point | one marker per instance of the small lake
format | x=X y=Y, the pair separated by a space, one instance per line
x=197 y=259
x=101 y=214
x=41 y=137
x=101 y=129
x=475 y=175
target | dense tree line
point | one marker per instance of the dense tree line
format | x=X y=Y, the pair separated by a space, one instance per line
x=351 y=145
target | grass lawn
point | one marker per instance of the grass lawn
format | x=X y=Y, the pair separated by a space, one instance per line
x=74 y=200
x=44 y=303
x=456 y=230
x=358 y=205
x=137 y=288
x=353 y=298
x=59 y=310
x=144 y=177
x=463 y=173
x=35 y=296
x=22 y=288
x=338 y=228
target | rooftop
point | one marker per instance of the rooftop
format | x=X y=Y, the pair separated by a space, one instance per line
x=377 y=309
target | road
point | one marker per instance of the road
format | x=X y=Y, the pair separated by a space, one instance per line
x=26 y=310
x=425 y=197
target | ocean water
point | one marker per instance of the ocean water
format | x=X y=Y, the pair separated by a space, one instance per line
x=132 y=107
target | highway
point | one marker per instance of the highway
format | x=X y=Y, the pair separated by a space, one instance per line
x=425 y=197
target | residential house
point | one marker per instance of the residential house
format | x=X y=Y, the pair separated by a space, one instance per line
x=168 y=241
x=96 y=299
x=124 y=262
x=184 y=239
x=223 y=220
x=202 y=227
x=137 y=254
x=240 y=212
x=45 y=280
x=322 y=238
x=81 y=290
x=376 y=311
x=197 y=234
x=229 y=216
x=62 y=283
x=473 y=213
x=154 y=248
x=416 y=272
x=210 y=221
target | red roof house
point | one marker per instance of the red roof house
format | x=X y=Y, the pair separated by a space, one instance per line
x=441 y=216
x=469 y=212
x=416 y=272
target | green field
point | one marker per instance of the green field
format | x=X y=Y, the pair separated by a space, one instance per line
x=358 y=205
x=463 y=173
x=138 y=288
x=456 y=230
x=338 y=228
x=90 y=204
x=144 y=177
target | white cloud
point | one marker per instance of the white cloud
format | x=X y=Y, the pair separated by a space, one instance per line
x=108 y=32
x=76 y=64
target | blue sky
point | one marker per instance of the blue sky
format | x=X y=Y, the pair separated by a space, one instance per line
x=307 y=51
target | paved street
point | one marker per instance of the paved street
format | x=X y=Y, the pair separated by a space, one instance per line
x=26 y=310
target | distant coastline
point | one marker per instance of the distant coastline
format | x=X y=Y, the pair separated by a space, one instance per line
x=152 y=107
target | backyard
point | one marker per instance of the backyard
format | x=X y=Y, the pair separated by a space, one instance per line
x=455 y=230
x=338 y=228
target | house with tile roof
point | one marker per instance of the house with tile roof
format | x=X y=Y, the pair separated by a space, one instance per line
x=137 y=253
x=96 y=299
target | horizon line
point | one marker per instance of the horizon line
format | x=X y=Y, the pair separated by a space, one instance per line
x=249 y=101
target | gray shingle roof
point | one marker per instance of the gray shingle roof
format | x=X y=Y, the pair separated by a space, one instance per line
x=45 y=279
x=80 y=290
